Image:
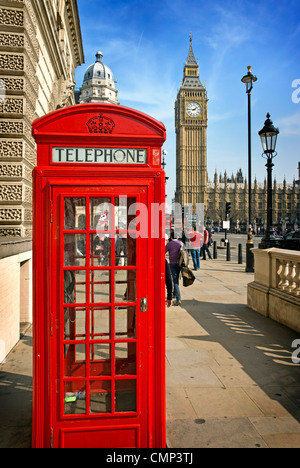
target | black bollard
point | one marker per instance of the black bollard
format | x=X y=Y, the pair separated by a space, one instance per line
x=228 y=252
x=240 y=254
x=215 y=250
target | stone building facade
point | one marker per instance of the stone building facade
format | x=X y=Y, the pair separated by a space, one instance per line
x=40 y=47
x=286 y=203
x=98 y=84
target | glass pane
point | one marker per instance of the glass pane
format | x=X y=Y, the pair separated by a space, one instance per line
x=74 y=362
x=125 y=250
x=100 y=209
x=125 y=395
x=100 y=396
x=100 y=286
x=75 y=248
x=125 y=322
x=121 y=212
x=125 y=211
x=100 y=323
x=74 y=286
x=100 y=361
x=125 y=285
x=75 y=398
x=74 y=323
x=100 y=250
x=125 y=354
x=75 y=213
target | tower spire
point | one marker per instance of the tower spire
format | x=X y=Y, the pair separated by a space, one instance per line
x=191 y=58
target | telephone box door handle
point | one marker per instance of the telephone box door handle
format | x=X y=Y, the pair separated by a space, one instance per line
x=144 y=304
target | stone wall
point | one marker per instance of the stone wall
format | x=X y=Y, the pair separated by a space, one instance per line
x=40 y=47
x=15 y=291
x=275 y=291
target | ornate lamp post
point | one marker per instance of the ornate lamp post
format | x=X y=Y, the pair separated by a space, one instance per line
x=249 y=79
x=268 y=135
x=164 y=153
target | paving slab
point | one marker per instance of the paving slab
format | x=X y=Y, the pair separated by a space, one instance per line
x=213 y=433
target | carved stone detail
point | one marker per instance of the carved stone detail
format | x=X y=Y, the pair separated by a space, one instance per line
x=11 y=17
x=28 y=232
x=10 y=214
x=12 y=62
x=12 y=106
x=11 y=170
x=11 y=40
x=11 y=192
x=28 y=216
x=30 y=155
x=27 y=173
x=11 y=149
x=13 y=84
x=13 y=232
x=11 y=127
x=27 y=197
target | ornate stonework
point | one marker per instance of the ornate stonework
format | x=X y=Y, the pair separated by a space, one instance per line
x=38 y=39
x=234 y=189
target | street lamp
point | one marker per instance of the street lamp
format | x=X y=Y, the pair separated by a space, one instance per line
x=164 y=153
x=268 y=135
x=249 y=79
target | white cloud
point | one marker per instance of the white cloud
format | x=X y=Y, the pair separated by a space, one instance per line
x=289 y=125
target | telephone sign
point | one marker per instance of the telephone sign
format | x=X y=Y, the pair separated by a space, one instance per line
x=99 y=284
x=100 y=155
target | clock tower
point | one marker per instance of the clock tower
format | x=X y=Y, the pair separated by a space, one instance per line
x=191 y=135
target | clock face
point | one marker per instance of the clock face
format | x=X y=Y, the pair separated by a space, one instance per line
x=193 y=109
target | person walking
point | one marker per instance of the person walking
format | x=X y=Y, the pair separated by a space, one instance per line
x=173 y=247
x=206 y=245
x=195 y=239
x=169 y=284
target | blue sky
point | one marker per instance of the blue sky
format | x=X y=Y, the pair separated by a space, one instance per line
x=146 y=45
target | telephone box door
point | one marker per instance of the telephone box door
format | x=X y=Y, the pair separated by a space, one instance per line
x=99 y=315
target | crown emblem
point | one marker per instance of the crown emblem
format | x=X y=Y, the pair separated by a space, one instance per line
x=100 y=124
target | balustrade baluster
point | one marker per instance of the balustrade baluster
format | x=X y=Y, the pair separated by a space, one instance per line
x=280 y=274
x=283 y=273
x=291 y=277
x=296 y=291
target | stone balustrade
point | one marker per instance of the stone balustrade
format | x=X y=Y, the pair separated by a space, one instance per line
x=288 y=276
x=275 y=291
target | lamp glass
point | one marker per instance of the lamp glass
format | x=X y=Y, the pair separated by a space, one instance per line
x=268 y=141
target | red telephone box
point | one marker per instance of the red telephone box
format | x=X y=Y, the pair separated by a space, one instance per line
x=99 y=279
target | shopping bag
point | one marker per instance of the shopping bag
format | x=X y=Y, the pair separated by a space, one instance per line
x=188 y=276
x=183 y=258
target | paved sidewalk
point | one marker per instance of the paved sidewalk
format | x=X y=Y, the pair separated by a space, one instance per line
x=16 y=395
x=231 y=382
x=230 y=379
